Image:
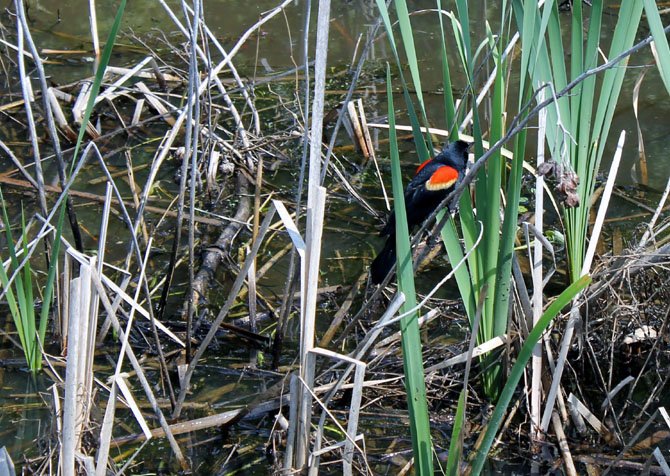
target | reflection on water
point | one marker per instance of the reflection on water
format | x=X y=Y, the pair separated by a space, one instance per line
x=25 y=420
x=278 y=47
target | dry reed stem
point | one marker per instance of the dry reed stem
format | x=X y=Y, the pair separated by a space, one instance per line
x=28 y=99
x=237 y=285
x=206 y=58
x=354 y=409
x=212 y=259
x=563 y=445
x=93 y=21
x=652 y=223
x=483 y=348
x=594 y=421
x=110 y=91
x=355 y=361
x=313 y=468
x=139 y=108
x=538 y=285
x=72 y=405
x=316 y=197
x=111 y=312
x=644 y=174
x=19 y=165
x=22 y=184
x=358 y=132
x=575 y=317
x=110 y=94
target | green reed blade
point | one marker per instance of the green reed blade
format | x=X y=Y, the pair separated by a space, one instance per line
x=95 y=89
x=421 y=147
x=449 y=105
x=518 y=369
x=662 y=56
x=409 y=325
x=456 y=443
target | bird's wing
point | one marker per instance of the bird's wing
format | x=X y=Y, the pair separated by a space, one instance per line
x=425 y=162
x=442 y=178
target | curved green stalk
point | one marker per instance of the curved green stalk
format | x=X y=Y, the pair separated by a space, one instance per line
x=517 y=371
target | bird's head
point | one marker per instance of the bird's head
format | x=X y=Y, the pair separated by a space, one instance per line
x=455 y=154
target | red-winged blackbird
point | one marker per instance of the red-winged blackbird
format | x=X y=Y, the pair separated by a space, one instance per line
x=434 y=180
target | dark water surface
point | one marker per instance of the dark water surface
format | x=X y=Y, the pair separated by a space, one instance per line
x=224 y=379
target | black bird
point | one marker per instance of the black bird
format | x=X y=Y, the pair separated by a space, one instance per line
x=433 y=181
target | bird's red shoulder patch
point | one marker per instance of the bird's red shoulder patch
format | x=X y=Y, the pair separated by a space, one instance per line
x=425 y=162
x=442 y=178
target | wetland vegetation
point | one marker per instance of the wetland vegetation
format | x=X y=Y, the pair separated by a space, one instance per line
x=192 y=195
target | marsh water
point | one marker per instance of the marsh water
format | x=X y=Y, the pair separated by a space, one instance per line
x=225 y=379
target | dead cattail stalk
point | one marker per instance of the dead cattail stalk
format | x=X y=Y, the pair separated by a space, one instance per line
x=93 y=21
x=78 y=374
x=538 y=285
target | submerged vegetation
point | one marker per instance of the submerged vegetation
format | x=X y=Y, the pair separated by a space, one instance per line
x=220 y=225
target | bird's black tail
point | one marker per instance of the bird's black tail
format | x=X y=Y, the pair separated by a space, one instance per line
x=384 y=261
